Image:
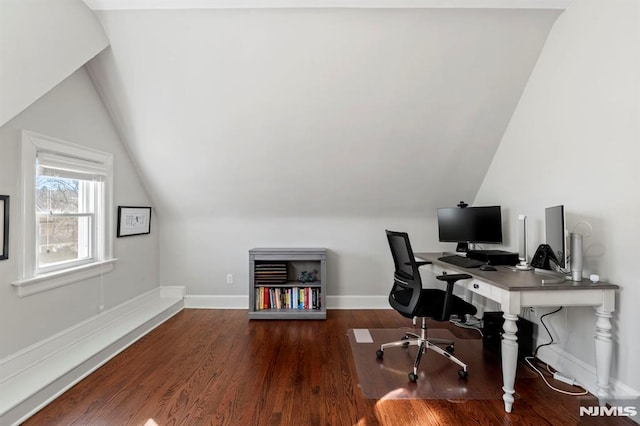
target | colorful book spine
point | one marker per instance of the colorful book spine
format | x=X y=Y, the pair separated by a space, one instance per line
x=299 y=298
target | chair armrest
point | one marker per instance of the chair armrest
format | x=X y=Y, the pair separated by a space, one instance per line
x=448 y=296
x=419 y=263
x=453 y=277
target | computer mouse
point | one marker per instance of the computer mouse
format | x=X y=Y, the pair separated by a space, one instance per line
x=487 y=268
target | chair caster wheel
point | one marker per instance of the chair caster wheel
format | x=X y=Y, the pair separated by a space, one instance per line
x=379 y=353
x=413 y=377
x=449 y=349
x=463 y=374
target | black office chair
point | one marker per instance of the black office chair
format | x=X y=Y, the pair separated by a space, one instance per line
x=411 y=300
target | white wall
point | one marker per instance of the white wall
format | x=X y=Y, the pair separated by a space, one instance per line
x=574 y=139
x=314 y=127
x=72 y=111
x=41 y=43
x=200 y=253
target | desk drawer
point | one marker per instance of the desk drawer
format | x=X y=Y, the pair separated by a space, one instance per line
x=439 y=270
x=479 y=287
x=474 y=285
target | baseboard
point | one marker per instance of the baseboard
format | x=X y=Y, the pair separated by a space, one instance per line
x=34 y=376
x=172 y=292
x=242 y=302
x=583 y=373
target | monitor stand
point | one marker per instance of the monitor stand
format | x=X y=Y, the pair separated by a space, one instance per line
x=523 y=266
x=462 y=247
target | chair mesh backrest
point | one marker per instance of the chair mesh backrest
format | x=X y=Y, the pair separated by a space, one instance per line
x=403 y=259
x=405 y=293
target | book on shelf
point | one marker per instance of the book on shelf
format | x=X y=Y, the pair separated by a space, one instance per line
x=298 y=298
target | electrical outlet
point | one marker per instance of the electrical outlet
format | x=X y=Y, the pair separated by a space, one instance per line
x=229 y=278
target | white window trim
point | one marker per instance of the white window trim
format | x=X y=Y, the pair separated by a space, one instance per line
x=29 y=283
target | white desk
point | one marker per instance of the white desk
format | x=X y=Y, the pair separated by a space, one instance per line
x=514 y=290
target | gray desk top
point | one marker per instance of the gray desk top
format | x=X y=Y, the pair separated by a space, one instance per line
x=507 y=278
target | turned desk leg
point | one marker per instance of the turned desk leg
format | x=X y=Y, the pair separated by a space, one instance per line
x=604 y=349
x=509 y=359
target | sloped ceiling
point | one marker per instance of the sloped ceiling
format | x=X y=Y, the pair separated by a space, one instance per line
x=41 y=43
x=315 y=111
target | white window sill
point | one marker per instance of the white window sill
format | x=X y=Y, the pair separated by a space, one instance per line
x=44 y=282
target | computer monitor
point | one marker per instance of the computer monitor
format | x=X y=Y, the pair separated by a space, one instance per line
x=555 y=234
x=470 y=225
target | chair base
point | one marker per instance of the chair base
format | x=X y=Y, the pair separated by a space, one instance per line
x=424 y=343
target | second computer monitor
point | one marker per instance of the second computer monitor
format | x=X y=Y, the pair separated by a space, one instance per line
x=555 y=233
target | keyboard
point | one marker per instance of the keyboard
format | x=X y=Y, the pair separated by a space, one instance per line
x=462 y=261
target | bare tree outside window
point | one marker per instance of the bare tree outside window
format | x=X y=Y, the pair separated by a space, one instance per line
x=62 y=225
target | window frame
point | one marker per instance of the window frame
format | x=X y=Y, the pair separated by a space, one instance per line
x=32 y=281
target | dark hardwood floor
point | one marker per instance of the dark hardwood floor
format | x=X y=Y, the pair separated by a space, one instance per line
x=216 y=367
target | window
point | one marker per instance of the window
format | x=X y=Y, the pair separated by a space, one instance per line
x=67 y=208
x=69 y=195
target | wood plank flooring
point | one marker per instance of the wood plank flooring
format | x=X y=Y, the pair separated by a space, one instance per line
x=215 y=367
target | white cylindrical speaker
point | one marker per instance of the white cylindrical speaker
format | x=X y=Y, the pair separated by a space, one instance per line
x=522 y=245
x=575 y=251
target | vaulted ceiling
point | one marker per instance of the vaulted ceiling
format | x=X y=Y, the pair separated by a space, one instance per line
x=314 y=111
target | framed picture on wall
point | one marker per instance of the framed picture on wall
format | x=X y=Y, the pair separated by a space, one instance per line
x=4 y=227
x=133 y=221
